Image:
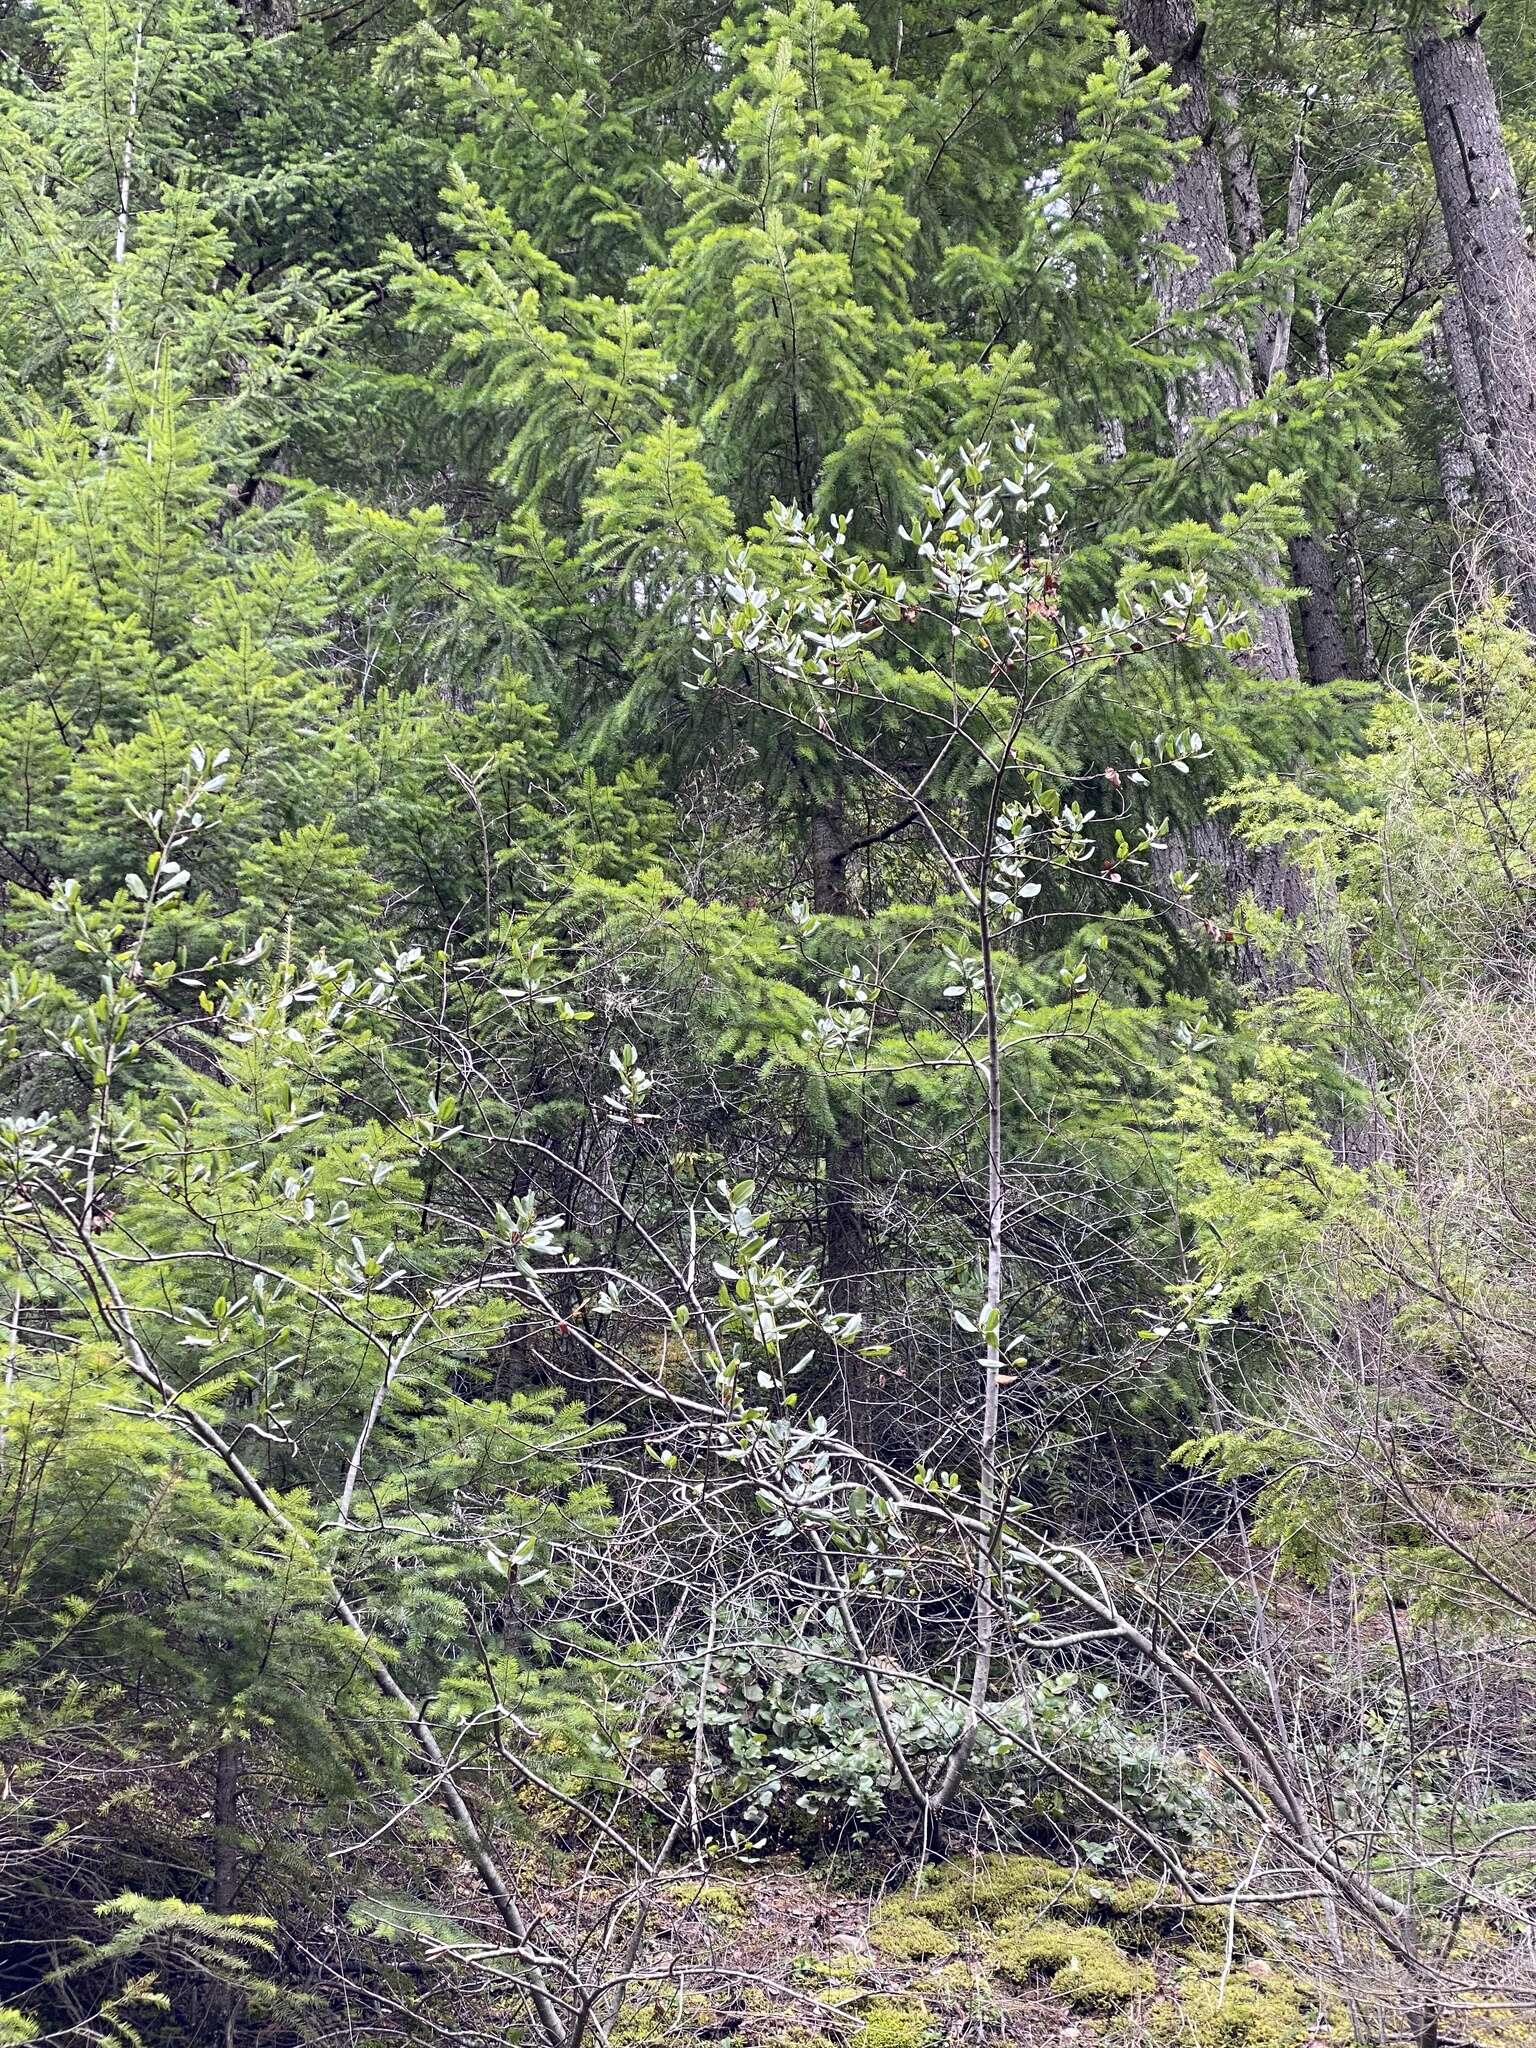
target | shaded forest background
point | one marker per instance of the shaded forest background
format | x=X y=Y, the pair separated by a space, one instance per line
x=767 y=1243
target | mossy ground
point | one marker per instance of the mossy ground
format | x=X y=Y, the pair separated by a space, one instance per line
x=722 y=1905
x=906 y=1935
x=1213 y=2007
x=1007 y=1949
x=900 y=2023
x=1001 y=1887
x=1083 y=1965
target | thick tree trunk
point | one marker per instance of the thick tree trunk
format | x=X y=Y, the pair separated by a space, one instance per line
x=1272 y=341
x=1461 y=448
x=1496 y=283
x=1169 y=34
x=1471 y=461
x=829 y=864
x=1359 y=607
x=226 y=1845
x=1457 y=467
x=1322 y=629
x=268 y=18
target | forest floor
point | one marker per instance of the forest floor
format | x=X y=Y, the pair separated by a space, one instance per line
x=1012 y=1949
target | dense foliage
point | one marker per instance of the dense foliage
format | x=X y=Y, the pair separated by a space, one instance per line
x=766 y=841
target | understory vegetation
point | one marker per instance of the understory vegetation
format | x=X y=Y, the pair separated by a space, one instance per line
x=767 y=1002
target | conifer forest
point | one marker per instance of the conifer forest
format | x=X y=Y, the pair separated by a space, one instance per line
x=767 y=1024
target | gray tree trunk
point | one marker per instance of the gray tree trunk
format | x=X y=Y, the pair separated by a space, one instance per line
x=1359 y=606
x=1322 y=628
x=1496 y=283
x=845 y=1243
x=268 y=18
x=1461 y=450
x=1169 y=34
x=1469 y=461
x=1272 y=341
x=226 y=1822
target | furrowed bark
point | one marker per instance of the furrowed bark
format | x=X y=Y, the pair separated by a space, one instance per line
x=1272 y=342
x=1322 y=628
x=268 y=18
x=1471 y=459
x=1461 y=446
x=1169 y=34
x=1495 y=280
x=226 y=1796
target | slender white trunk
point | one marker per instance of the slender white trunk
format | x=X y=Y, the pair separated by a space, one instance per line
x=124 y=206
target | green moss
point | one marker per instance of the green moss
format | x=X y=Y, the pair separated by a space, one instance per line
x=722 y=1905
x=834 y=1970
x=1082 y=1964
x=951 y=1982
x=1245 y=2012
x=1142 y=1898
x=969 y=1998
x=902 y=1934
x=1504 y=2027
x=1210 y=1928
x=997 y=1886
x=944 y=1901
x=1478 y=1939
x=1144 y=1913
x=767 y=2018
x=898 y=2023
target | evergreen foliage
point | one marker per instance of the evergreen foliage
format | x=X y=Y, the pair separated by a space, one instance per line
x=727 y=1130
